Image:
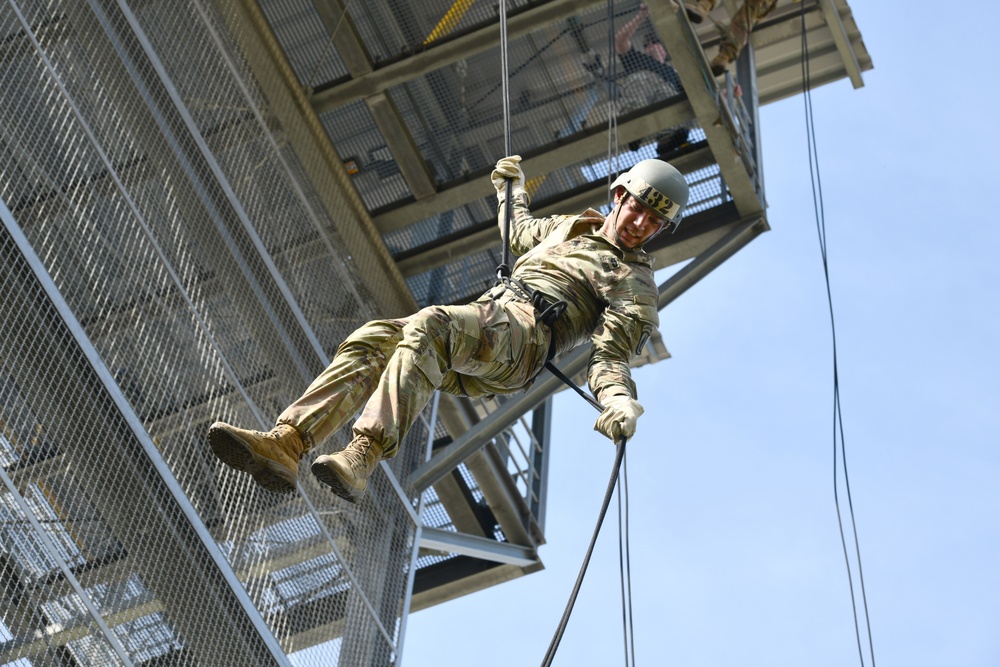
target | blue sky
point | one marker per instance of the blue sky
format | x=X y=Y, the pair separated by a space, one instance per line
x=736 y=555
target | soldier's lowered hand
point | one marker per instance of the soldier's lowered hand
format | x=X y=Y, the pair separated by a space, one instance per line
x=619 y=417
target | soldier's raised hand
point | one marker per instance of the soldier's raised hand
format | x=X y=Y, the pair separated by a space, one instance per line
x=508 y=168
x=619 y=417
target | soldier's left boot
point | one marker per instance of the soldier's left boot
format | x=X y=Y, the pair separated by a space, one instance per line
x=729 y=48
x=721 y=61
x=271 y=458
x=347 y=471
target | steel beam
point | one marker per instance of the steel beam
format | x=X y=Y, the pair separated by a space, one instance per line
x=324 y=168
x=350 y=47
x=788 y=30
x=825 y=66
x=216 y=218
x=843 y=41
x=702 y=91
x=543 y=160
x=199 y=576
x=24 y=646
x=401 y=144
x=482 y=236
x=477 y=547
x=446 y=52
x=502 y=496
x=741 y=234
x=344 y=36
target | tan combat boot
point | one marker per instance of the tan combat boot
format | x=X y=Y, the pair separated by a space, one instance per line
x=347 y=471
x=719 y=65
x=272 y=458
x=698 y=11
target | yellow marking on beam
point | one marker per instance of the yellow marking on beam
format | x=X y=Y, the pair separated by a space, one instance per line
x=450 y=20
x=531 y=187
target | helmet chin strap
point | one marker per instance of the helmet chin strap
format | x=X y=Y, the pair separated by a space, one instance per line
x=614 y=227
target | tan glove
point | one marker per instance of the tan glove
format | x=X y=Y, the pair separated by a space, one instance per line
x=619 y=417
x=509 y=168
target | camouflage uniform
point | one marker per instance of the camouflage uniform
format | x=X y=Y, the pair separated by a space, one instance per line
x=493 y=345
x=735 y=37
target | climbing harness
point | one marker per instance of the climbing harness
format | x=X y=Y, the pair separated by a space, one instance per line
x=546 y=310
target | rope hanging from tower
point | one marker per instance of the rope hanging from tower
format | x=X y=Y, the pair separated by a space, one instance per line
x=547 y=313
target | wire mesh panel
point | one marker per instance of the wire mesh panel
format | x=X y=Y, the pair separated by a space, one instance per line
x=144 y=177
x=562 y=76
x=307 y=36
x=98 y=559
x=176 y=248
x=394 y=28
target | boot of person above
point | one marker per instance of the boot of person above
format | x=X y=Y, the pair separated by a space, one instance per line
x=347 y=471
x=729 y=50
x=719 y=64
x=698 y=11
x=272 y=458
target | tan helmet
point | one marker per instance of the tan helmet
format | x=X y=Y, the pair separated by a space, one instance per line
x=658 y=186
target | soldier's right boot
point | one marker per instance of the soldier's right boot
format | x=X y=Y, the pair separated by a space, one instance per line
x=698 y=11
x=272 y=458
x=347 y=471
x=727 y=54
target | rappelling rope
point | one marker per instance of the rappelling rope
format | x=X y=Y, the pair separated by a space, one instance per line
x=624 y=557
x=503 y=271
x=504 y=276
x=838 y=422
x=564 y=621
x=625 y=563
x=623 y=553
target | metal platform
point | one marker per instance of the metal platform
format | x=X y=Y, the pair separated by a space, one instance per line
x=201 y=200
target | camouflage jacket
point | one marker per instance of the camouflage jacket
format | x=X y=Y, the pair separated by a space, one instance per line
x=610 y=292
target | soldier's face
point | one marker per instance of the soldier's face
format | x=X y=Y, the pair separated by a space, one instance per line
x=631 y=221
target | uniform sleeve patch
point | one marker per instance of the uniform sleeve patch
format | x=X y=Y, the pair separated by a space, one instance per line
x=644 y=300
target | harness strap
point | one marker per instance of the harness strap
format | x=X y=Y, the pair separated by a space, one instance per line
x=546 y=311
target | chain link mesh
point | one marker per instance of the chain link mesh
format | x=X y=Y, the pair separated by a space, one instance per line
x=147 y=180
x=168 y=257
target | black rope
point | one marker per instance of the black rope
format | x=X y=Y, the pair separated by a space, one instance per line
x=503 y=271
x=624 y=556
x=613 y=149
x=572 y=385
x=838 y=419
x=625 y=564
x=555 y=310
x=564 y=621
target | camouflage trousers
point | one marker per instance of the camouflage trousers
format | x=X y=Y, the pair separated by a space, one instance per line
x=392 y=368
x=735 y=38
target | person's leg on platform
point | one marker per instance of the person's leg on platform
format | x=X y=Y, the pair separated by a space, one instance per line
x=740 y=27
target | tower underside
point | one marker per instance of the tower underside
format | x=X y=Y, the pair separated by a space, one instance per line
x=201 y=199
